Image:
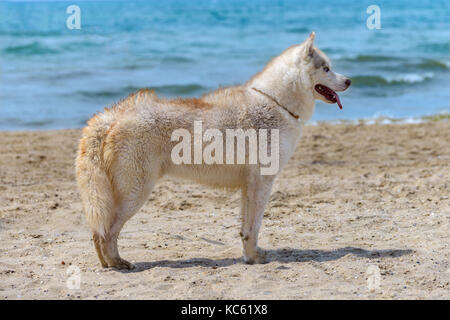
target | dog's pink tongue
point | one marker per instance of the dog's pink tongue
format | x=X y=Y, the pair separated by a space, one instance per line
x=338 y=101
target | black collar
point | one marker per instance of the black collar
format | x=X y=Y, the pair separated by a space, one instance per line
x=274 y=100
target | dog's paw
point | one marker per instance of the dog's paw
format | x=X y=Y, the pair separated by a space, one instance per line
x=258 y=258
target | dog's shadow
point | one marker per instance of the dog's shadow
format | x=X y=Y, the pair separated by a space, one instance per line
x=286 y=255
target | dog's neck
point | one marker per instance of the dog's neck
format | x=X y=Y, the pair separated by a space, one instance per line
x=291 y=91
x=296 y=117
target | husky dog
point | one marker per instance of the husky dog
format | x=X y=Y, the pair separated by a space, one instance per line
x=126 y=149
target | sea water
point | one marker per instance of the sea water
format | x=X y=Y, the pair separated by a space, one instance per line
x=52 y=76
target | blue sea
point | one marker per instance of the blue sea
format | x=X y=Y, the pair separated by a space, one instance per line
x=53 y=77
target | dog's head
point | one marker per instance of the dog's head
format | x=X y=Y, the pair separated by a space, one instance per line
x=323 y=80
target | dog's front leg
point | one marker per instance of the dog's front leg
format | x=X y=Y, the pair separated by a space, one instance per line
x=255 y=196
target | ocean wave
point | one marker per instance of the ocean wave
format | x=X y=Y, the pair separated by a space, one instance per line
x=401 y=79
x=176 y=60
x=369 y=58
x=31 y=33
x=433 y=64
x=61 y=75
x=39 y=48
x=34 y=48
x=14 y=123
x=180 y=89
x=168 y=90
x=401 y=62
x=77 y=45
x=113 y=93
x=443 y=47
x=378 y=119
x=410 y=78
x=297 y=30
x=134 y=66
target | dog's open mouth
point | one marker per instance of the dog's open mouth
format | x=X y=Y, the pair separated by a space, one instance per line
x=329 y=94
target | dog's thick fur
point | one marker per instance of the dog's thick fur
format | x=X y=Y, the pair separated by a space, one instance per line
x=127 y=148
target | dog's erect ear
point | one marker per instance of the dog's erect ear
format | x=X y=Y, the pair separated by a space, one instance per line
x=308 y=45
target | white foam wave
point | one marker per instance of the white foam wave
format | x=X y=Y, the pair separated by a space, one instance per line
x=410 y=77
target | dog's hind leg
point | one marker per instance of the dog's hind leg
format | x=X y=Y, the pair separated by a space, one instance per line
x=131 y=188
x=125 y=211
x=97 y=243
x=111 y=252
x=255 y=196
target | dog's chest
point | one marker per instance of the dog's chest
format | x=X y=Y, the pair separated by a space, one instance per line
x=289 y=139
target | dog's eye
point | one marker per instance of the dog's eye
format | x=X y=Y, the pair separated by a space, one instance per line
x=326 y=69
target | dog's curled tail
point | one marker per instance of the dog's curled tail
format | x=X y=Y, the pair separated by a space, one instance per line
x=93 y=180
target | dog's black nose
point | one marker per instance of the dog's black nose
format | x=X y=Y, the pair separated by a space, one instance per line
x=348 y=82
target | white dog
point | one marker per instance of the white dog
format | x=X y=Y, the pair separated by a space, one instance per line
x=127 y=148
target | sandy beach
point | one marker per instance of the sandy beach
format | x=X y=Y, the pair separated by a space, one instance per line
x=360 y=212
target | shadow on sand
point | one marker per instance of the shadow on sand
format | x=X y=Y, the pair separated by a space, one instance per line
x=285 y=255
